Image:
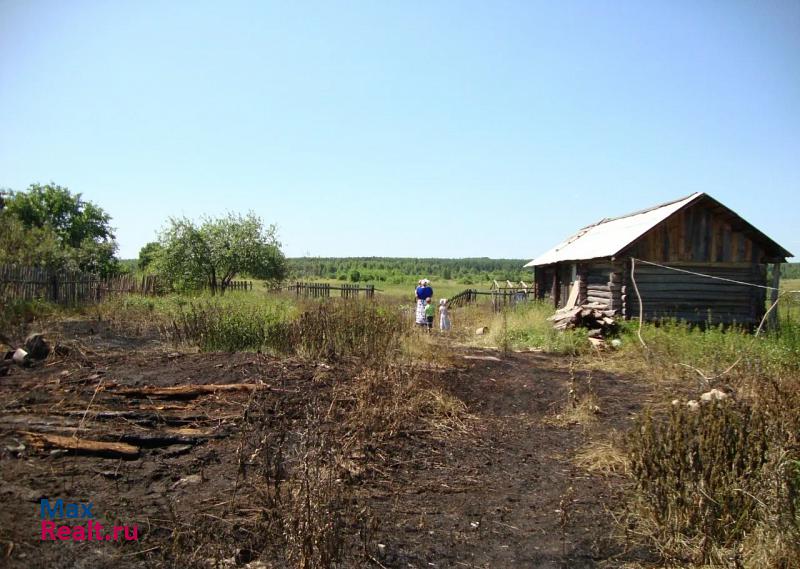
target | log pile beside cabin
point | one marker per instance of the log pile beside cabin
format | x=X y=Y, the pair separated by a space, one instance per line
x=593 y=316
x=665 y=251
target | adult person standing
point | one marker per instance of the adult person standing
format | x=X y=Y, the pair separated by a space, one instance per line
x=423 y=292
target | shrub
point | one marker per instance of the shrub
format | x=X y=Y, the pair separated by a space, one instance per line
x=361 y=328
x=215 y=327
x=17 y=315
x=709 y=479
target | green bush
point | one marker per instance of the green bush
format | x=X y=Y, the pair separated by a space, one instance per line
x=214 y=327
x=17 y=315
x=328 y=329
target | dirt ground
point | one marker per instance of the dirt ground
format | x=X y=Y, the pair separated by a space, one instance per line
x=506 y=493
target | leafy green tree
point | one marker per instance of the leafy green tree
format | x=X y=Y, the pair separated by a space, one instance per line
x=355 y=276
x=148 y=254
x=81 y=229
x=213 y=252
x=37 y=246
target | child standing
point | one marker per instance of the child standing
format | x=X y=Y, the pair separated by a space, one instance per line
x=430 y=311
x=444 y=315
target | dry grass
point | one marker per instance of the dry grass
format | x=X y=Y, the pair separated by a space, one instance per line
x=582 y=406
x=382 y=403
x=434 y=350
x=605 y=457
x=582 y=411
x=767 y=546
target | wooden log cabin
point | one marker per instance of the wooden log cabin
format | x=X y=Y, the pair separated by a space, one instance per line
x=695 y=234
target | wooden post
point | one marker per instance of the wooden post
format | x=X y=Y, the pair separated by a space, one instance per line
x=772 y=319
x=54 y=289
x=554 y=290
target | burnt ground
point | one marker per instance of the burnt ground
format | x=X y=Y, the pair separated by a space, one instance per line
x=501 y=490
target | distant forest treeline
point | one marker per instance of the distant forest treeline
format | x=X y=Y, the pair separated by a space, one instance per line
x=402 y=270
x=395 y=270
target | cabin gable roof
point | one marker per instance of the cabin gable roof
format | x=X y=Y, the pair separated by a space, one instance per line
x=610 y=236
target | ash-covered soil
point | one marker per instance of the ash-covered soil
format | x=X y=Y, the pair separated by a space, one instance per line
x=236 y=477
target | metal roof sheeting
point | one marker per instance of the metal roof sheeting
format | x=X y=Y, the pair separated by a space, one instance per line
x=608 y=237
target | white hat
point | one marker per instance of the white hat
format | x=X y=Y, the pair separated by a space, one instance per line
x=426 y=281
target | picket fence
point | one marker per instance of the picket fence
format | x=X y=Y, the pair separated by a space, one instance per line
x=323 y=290
x=68 y=288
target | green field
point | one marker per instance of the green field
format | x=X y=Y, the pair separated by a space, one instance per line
x=399 y=270
x=441 y=288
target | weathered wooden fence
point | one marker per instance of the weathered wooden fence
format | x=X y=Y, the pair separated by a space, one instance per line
x=68 y=287
x=463 y=298
x=509 y=298
x=240 y=285
x=500 y=298
x=323 y=290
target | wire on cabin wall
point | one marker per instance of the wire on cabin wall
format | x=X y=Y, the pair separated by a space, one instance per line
x=641 y=307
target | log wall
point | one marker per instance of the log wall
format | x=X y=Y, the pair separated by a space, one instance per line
x=602 y=284
x=671 y=294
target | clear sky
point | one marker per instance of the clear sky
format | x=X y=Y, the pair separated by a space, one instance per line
x=427 y=128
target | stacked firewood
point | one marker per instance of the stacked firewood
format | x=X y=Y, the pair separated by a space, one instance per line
x=596 y=317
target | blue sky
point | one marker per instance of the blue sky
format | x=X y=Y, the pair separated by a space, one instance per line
x=444 y=129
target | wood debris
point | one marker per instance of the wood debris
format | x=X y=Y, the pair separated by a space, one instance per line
x=84 y=446
x=596 y=317
x=185 y=391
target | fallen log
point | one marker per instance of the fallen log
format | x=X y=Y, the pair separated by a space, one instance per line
x=84 y=446
x=186 y=391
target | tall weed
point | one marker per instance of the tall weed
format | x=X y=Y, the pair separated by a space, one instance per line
x=522 y=327
x=707 y=479
x=364 y=329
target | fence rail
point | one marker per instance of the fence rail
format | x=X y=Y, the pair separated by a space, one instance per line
x=500 y=298
x=463 y=298
x=323 y=290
